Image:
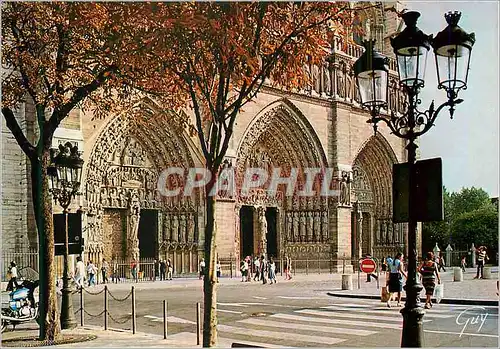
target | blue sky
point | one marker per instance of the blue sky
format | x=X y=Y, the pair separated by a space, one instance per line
x=469 y=143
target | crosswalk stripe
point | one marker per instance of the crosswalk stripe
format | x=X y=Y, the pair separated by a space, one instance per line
x=302 y=298
x=294 y=326
x=336 y=321
x=385 y=311
x=225 y=342
x=234 y=304
x=390 y=317
x=229 y=311
x=353 y=305
x=276 y=335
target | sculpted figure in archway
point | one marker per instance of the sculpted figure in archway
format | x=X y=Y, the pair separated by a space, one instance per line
x=263 y=226
x=324 y=226
x=134 y=214
x=296 y=226
x=289 y=232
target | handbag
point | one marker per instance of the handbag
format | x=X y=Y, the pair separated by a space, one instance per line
x=439 y=292
x=385 y=295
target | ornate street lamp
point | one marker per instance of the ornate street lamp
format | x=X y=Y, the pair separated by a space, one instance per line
x=452 y=48
x=65 y=174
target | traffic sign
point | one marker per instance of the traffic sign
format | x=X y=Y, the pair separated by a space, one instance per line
x=368 y=265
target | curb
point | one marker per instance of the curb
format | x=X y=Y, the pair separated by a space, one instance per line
x=487 y=302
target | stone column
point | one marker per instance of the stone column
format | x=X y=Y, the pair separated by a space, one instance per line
x=359 y=228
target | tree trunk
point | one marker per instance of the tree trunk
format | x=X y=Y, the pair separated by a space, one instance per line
x=210 y=281
x=50 y=328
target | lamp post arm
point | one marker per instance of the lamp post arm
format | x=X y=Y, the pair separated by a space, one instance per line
x=427 y=118
x=392 y=123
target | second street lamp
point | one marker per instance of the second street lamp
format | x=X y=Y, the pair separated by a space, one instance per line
x=65 y=175
x=452 y=48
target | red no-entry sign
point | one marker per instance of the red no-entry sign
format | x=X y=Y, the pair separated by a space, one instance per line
x=368 y=265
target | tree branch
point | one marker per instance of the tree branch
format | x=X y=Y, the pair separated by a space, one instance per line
x=21 y=139
x=61 y=111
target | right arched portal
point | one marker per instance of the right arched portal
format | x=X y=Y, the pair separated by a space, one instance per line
x=372 y=229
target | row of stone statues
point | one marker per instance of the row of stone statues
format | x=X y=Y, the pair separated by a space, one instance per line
x=310 y=226
x=338 y=80
x=388 y=233
x=117 y=197
x=179 y=227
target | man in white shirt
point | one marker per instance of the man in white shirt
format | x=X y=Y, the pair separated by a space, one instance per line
x=256 y=264
x=12 y=285
x=79 y=272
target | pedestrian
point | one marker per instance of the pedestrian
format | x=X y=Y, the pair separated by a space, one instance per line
x=256 y=264
x=91 y=271
x=244 y=270
x=263 y=269
x=104 y=271
x=218 y=269
x=384 y=264
x=429 y=273
x=395 y=279
x=170 y=269
x=463 y=264
x=163 y=269
x=134 y=270
x=79 y=272
x=288 y=268
x=248 y=259
x=202 y=269
x=271 y=267
x=156 y=269
x=482 y=257
x=12 y=285
x=370 y=275
x=441 y=262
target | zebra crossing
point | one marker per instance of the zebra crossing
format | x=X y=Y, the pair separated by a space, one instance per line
x=320 y=326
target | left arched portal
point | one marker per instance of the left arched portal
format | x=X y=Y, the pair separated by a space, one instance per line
x=127 y=217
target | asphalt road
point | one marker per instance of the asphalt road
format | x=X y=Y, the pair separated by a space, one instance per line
x=296 y=314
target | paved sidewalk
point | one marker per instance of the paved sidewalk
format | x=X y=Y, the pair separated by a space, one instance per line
x=468 y=291
x=116 y=338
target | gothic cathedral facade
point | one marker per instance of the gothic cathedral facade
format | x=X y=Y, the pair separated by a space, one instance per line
x=322 y=126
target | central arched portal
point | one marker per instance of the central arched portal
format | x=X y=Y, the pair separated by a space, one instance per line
x=280 y=137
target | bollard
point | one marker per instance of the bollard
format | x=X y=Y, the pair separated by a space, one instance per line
x=457 y=274
x=319 y=265
x=198 y=323
x=307 y=265
x=133 y=311
x=105 y=307
x=359 y=281
x=347 y=281
x=81 y=307
x=165 y=319
x=487 y=273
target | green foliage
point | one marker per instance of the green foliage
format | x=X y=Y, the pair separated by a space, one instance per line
x=469 y=217
x=468 y=200
x=479 y=226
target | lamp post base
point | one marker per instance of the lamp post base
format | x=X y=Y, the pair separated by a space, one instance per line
x=412 y=336
x=68 y=320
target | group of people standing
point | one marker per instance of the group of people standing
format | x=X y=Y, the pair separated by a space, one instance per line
x=263 y=270
x=428 y=270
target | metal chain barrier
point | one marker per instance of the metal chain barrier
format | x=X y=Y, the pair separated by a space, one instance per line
x=117 y=321
x=120 y=299
x=92 y=315
x=93 y=293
